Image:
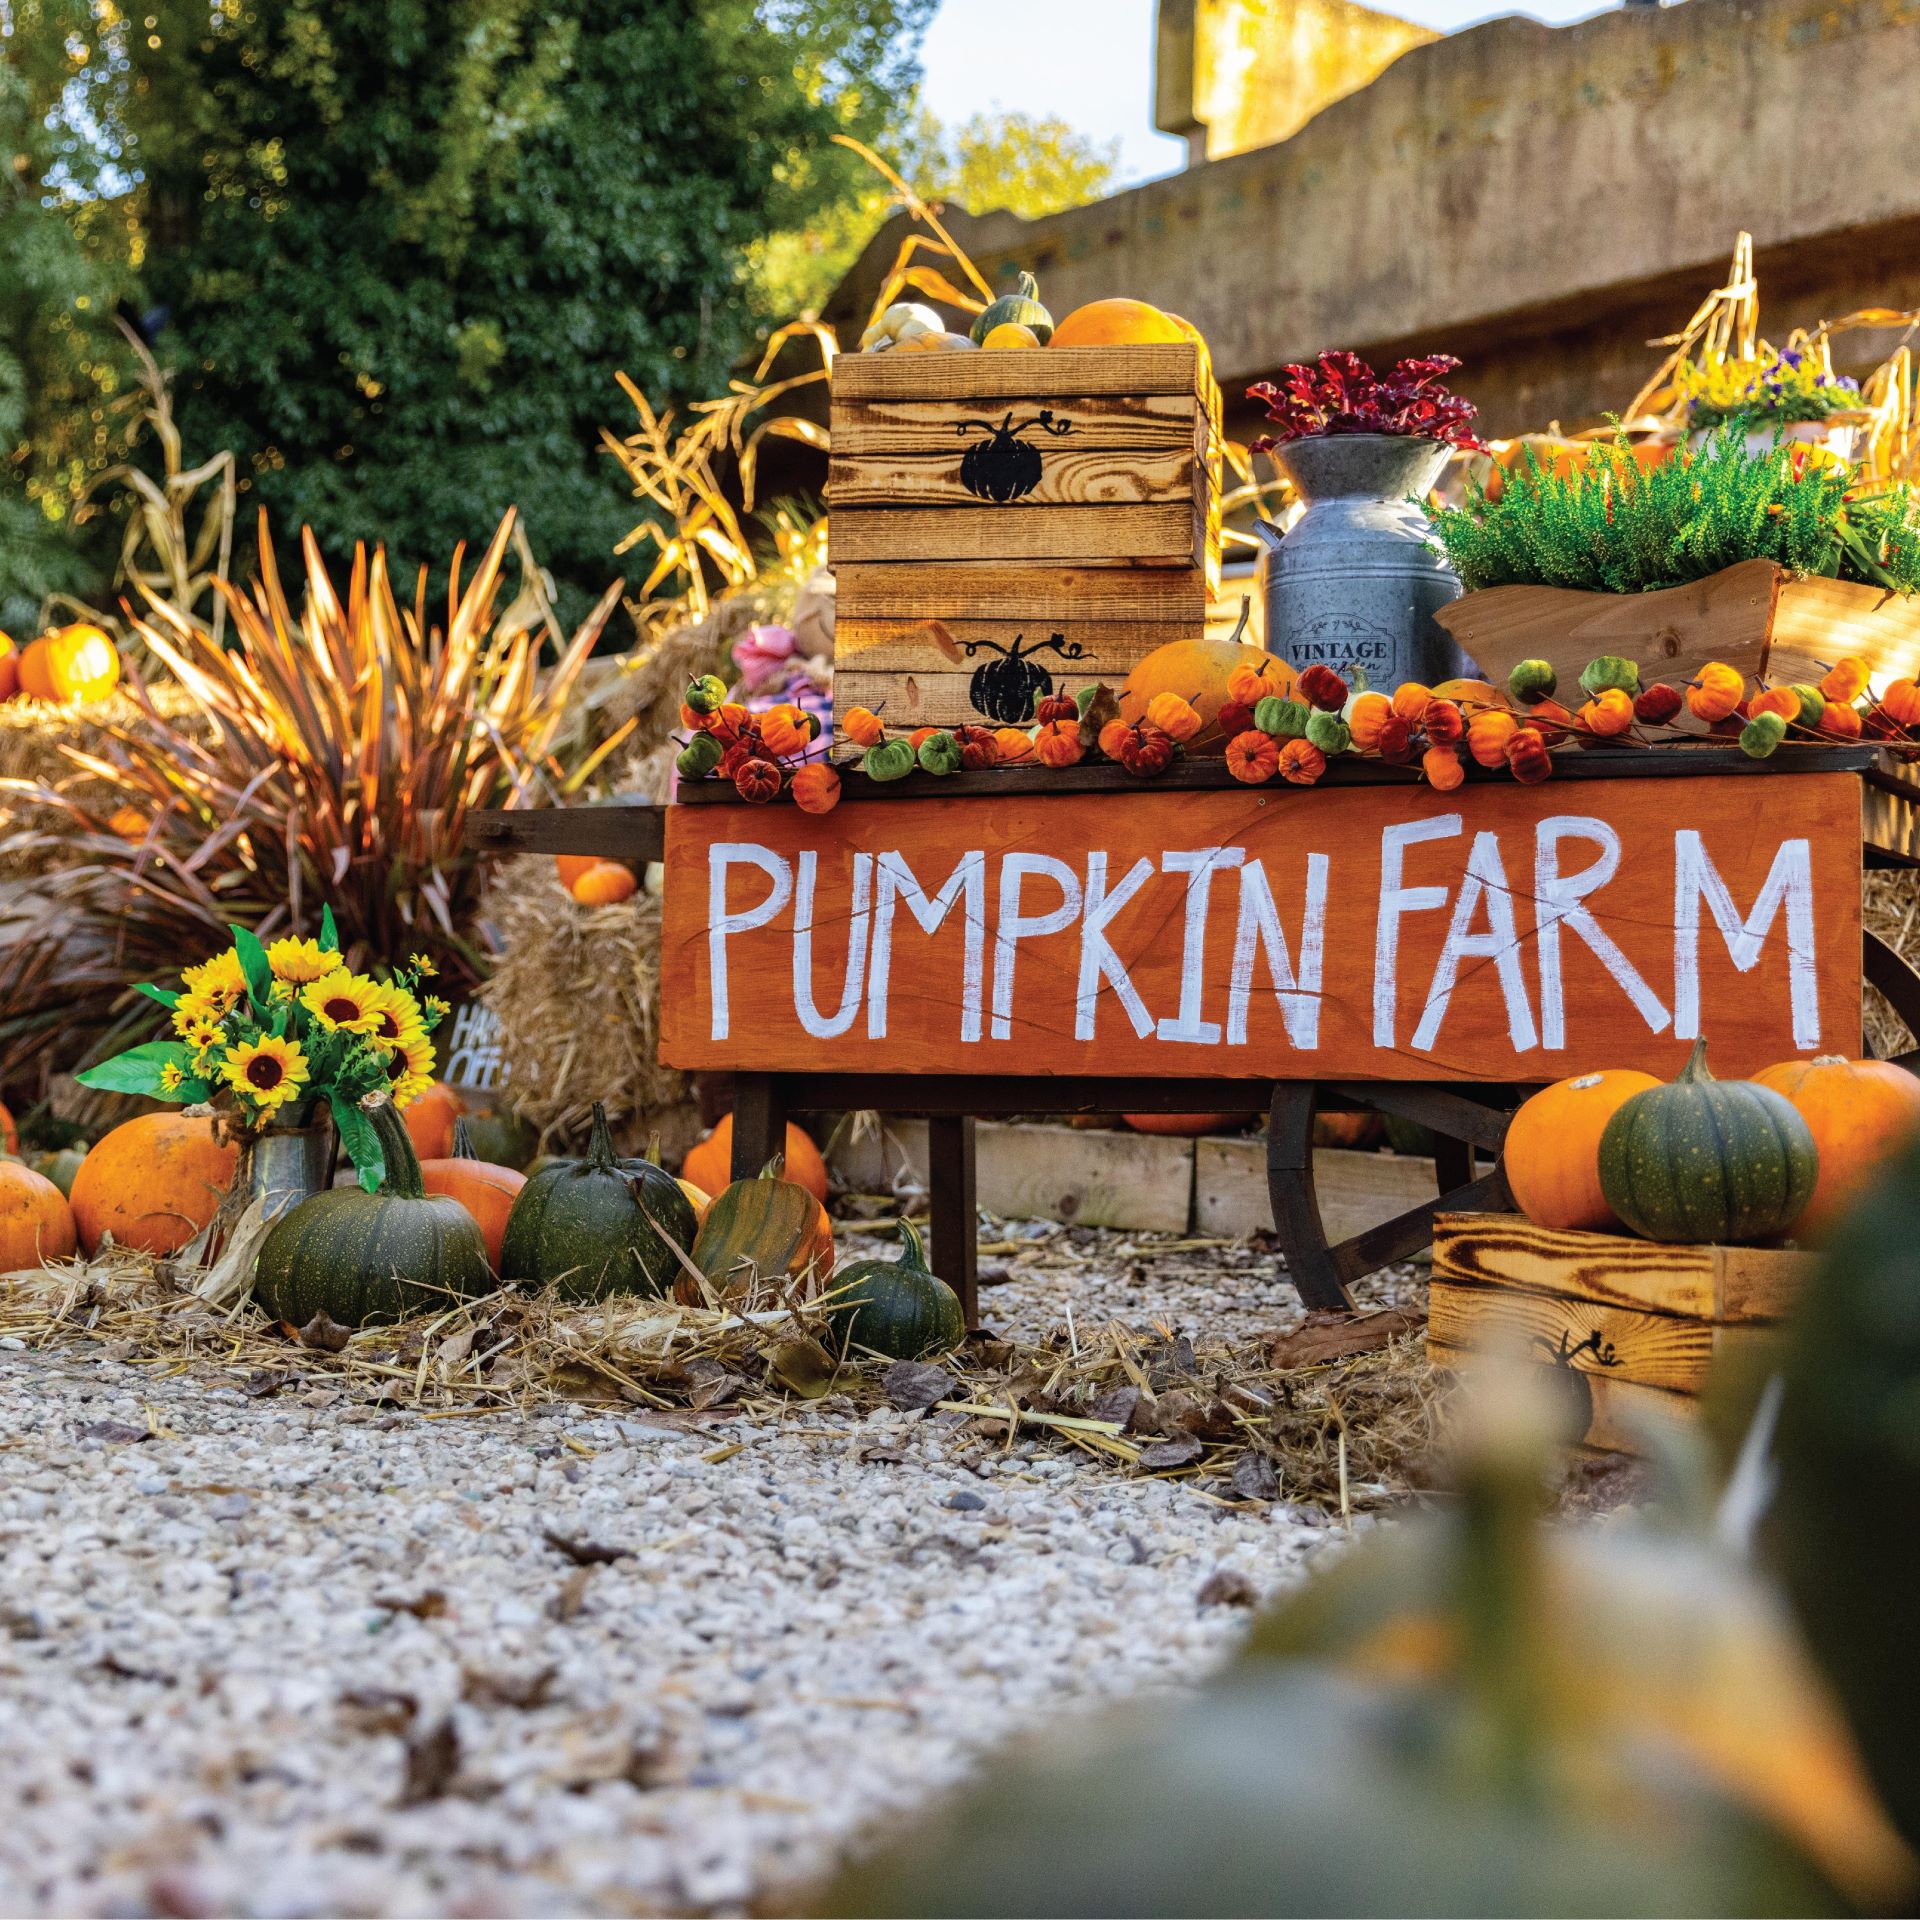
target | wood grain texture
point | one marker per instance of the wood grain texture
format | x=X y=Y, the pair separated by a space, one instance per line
x=1071 y=474
x=911 y=591
x=1045 y=373
x=1649 y=1349
x=1154 y=534
x=1621 y=1415
x=1615 y=1270
x=914 y=646
x=945 y=699
x=864 y=431
x=1042 y=999
x=1754 y=616
x=1355 y=1190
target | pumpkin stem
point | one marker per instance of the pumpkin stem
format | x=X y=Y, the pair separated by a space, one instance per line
x=600 y=1154
x=912 y=1254
x=463 y=1148
x=775 y=1169
x=652 y=1154
x=396 y=1148
x=1240 y=625
x=1029 y=288
x=1695 y=1073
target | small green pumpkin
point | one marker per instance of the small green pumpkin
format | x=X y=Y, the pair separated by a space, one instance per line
x=897 y=1307
x=598 y=1226
x=1704 y=1160
x=500 y=1137
x=1021 y=309
x=365 y=1257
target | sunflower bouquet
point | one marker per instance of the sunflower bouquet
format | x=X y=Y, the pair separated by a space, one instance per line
x=279 y=1029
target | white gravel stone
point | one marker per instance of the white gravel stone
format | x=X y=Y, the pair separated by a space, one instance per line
x=296 y=1658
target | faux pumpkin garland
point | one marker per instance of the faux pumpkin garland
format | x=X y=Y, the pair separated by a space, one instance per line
x=361 y=1258
x=598 y=1225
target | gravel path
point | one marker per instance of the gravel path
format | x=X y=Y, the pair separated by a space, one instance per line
x=297 y=1655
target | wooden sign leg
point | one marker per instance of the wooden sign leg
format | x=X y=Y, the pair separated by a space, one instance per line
x=1296 y=1204
x=759 y=1122
x=956 y=1219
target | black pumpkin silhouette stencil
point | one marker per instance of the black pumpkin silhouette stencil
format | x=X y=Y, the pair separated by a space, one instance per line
x=1007 y=689
x=1004 y=467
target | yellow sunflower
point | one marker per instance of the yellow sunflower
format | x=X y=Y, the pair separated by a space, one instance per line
x=204 y=1034
x=196 y=1013
x=422 y=965
x=170 y=1077
x=410 y=1067
x=397 y=1016
x=342 y=1002
x=302 y=961
x=437 y=1007
x=269 y=1071
x=222 y=980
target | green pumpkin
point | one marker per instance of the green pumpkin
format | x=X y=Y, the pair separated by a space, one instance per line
x=499 y=1135
x=1706 y=1160
x=60 y=1167
x=897 y=1307
x=364 y=1257
x=1022 y=309
x=598 y=1226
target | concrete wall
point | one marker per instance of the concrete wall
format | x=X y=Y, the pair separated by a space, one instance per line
x=1540 y=201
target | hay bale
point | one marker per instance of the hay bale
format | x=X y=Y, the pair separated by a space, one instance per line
x=577 y=993
x=1890 y=907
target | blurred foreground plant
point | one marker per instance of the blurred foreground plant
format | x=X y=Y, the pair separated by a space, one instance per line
x=338 y=752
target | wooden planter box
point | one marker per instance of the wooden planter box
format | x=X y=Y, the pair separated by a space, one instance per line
x=1757 y=617
x=1634 y=1324
x=1005 y=521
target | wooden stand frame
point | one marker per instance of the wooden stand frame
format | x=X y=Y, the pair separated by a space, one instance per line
x=1468 y=1120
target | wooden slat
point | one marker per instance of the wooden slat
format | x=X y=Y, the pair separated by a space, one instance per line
x=1649 y=1349
x=1070 y=475
x=1016 y=593
x=1820 y=620
x=1890 y=817
x=902 y=646
x=632 y=833
x=1621 y=1411
x=908 y=698
x=1043 y=374
x=1616 y=1271
x=912 y=429
x=1159 y=534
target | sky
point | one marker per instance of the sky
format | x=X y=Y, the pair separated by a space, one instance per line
x=1091 y=62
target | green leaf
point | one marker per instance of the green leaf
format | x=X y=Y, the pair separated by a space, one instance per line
x=329 y=933
x=361 y=1142
x=138 y=1071
x=253 y=963
x=166 y=999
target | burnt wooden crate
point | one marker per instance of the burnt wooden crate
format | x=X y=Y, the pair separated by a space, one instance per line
x=1633 y=1324
x=1005 y=522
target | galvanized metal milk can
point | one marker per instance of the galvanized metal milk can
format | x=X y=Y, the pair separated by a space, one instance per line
x=1354 y=584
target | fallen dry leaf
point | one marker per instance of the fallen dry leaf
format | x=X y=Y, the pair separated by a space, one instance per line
x=911 y=1384
x=1322 y=1336
x=323 y=1335
x=584 y=1553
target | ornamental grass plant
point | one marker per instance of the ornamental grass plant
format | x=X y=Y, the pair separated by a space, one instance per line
x=333 y=754
x=1617 y=527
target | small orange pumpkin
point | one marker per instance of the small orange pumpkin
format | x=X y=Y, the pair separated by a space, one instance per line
x=815 y=788
x=1846 y=679
x=1715 y=691
x=1014 y=743
x=1442 y=767
x=1552 y=1152
x=69 y=664
x=1860 y=1113
x=570 y=866
x=1610 y=712
x=36 y=1224
x=431 y=1120
x=1410 y=701
x=1781 y=700
x=1253 y=756
x=1059 y=743
x=9 y=668
x=605 y=884
x=1185 y=1126
x=710 y=1164
x=152 y=1183
x=787 y=731
x=1257 y=678
x=486 y=1191
x=863 y=726
x=1174 y=714
x=1365 y=717
x=1301 y=763
x=1116 y=323
x=1487 y=735
x=1900 y=703
x=1840 y=722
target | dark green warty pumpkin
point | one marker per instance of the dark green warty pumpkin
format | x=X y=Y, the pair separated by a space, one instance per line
x=595 y=1227
x=365 y=1257
x=897 y=1307
x=1022 y=309
x=1705 y=1160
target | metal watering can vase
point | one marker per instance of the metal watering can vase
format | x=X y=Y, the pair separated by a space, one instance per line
x=1355 y=584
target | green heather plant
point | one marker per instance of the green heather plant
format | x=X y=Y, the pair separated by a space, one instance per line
x=1617 y=527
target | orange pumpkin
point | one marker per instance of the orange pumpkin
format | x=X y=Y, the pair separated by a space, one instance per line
x=1174 y=714
x=431 y=1121
x=1117 y=323
x=1013 y=744
x=863 y=727
x=1900 y=703
x=1552 y=1152
x=9 y=1133
x=570 y=866
x=152 y=1183
x=1201 y=672
x=1475 y=696
x=1860 y=1113
x=1715 y=691
x=1846 y=679
x=1488 y=733
x=815 y=788
x=9 y=668
x=1563 y=459
x=710 y=1164
x=36 y=1224
x=1059 y=743
x=1839 y=721
x=605 y=884
x=72 y=663
x=1356 y=1129
x=1442 y=767
x=1186 y=1126
x=486 y=1191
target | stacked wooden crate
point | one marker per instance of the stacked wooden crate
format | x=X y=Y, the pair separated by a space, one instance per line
x=1632 y=1325
x=1003 y=523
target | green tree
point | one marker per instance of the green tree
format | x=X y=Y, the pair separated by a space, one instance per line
x=67 y=252
x=1027 y=166
x=406 y=244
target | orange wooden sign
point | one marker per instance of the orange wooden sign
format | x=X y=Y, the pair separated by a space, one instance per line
x=1498 y=933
